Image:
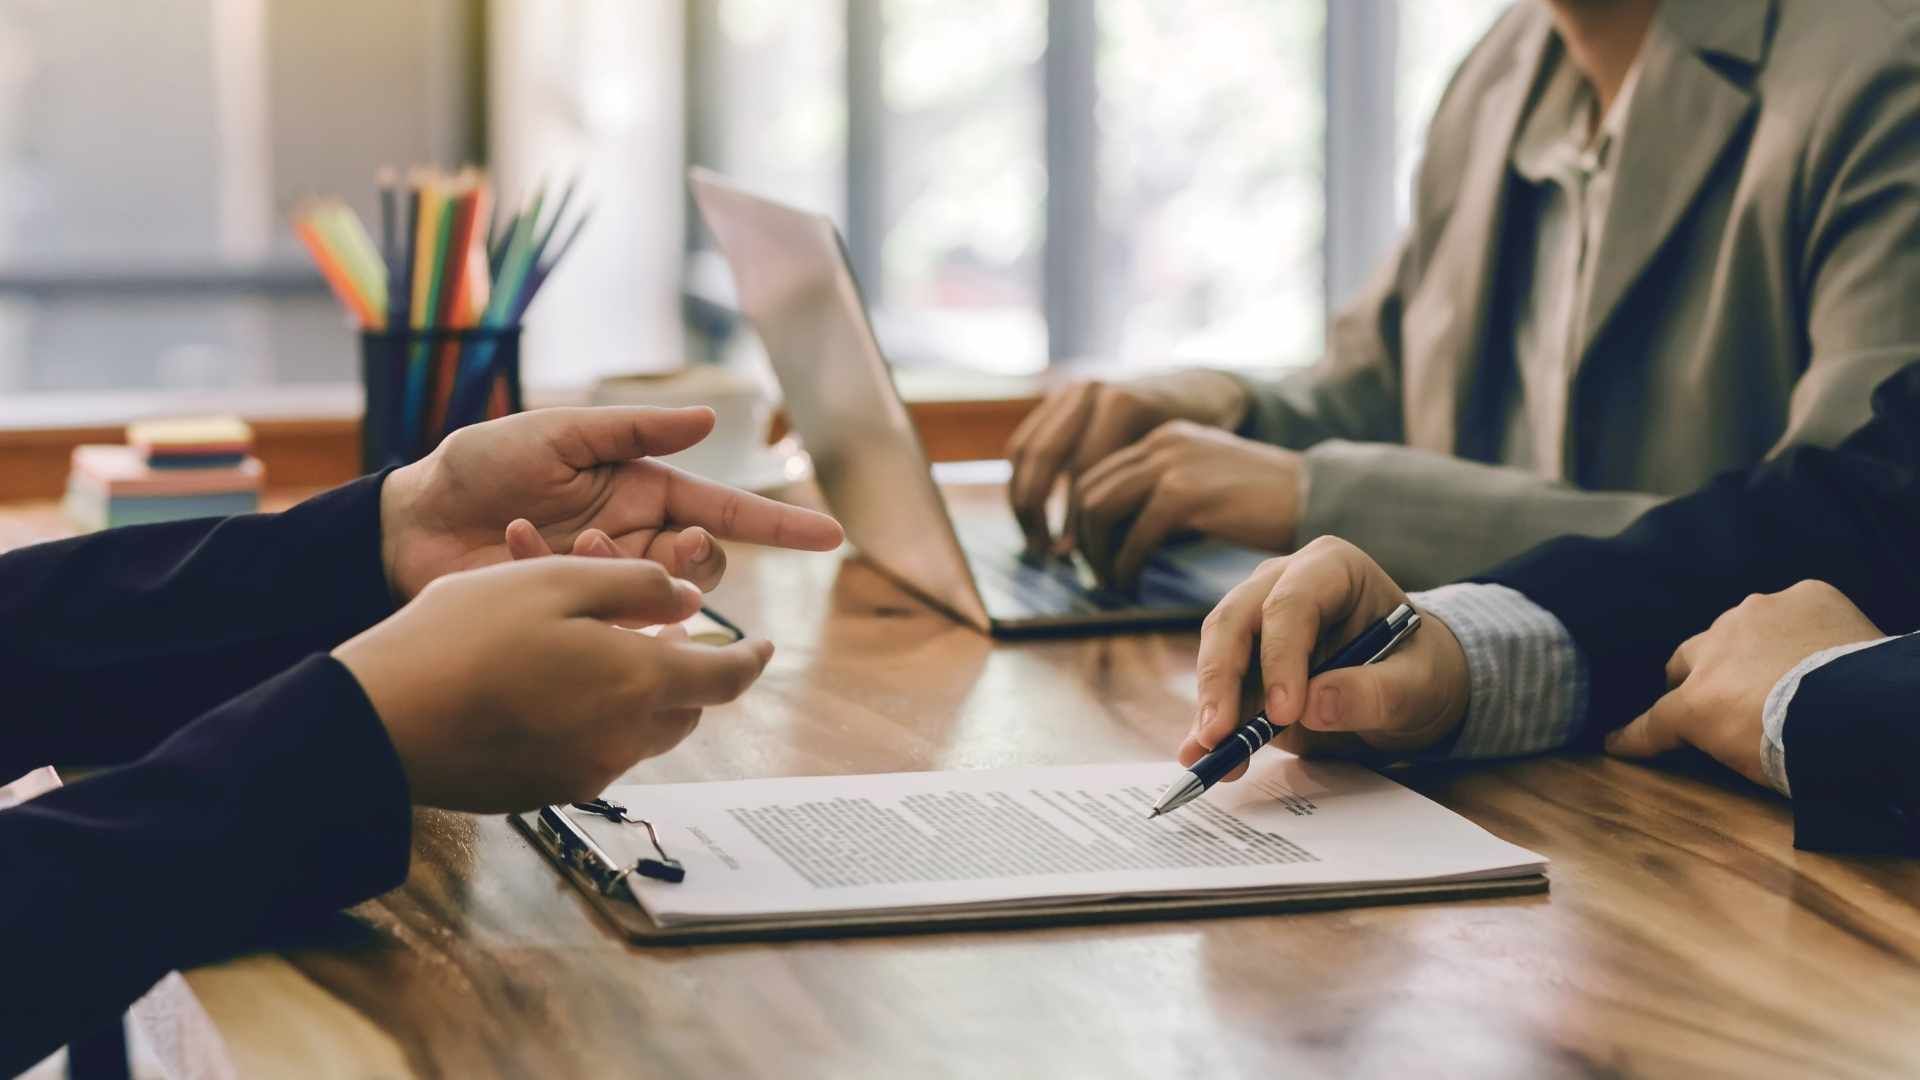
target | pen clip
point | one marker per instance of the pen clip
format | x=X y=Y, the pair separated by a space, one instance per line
x=1408 y=627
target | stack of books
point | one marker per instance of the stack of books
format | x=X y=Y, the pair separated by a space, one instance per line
x=168 y=470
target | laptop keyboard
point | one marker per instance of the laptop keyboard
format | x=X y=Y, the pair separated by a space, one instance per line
x=1061 y=585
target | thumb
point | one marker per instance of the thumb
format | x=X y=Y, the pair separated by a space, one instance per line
x=599 y=435
x=627 y=591
x=1653 y=732
x=1366 y=699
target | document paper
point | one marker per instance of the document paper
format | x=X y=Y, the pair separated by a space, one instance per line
x=1000 y=838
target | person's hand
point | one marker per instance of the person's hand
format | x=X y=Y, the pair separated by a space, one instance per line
x=1184 y=477
x=567 y=471
x=1718 y=680
x=1298 y=609
x=1078 y=425
x=508 y=687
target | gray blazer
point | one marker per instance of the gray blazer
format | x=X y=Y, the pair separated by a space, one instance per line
x=1758 y=274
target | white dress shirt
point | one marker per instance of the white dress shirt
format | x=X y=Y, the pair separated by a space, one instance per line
x=1566 y=149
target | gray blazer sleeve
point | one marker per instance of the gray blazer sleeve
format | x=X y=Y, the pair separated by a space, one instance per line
x=1355 y=392
x=1429 y=519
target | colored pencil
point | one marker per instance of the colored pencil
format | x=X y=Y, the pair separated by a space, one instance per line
x=430 y=260
x=454 y=287
x=333 y=269
x=449 y=258
x=349 y=238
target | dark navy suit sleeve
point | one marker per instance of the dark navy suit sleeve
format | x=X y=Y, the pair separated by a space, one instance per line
x=108 y=643
x=277 y=807
x=1853 y=752
x=1849 y=517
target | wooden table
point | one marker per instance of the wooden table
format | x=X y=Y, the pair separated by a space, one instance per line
x=1683 y=931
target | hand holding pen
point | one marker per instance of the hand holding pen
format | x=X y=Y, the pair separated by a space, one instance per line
x=1327 y=593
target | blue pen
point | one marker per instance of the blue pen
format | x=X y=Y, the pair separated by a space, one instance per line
x=1372 y=645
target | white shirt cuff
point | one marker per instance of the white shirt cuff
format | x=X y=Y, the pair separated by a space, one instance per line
x=1773 y=715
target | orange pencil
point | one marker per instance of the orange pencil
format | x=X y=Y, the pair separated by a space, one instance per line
x=470 y=288
x=332 y=269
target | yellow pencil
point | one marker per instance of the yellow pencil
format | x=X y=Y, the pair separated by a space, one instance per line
x=425 y=234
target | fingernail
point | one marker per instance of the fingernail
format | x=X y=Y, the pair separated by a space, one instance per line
x=1276 y=703
x=687 y=590
x=1327 y=709
x=704 y=550
x=1207 y=713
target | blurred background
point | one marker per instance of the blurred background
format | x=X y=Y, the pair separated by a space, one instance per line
x=1099 y=184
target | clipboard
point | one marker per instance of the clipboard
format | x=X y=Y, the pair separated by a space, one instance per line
x=601 y=881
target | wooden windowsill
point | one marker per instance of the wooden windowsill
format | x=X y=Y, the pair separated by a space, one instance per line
x=310 y=436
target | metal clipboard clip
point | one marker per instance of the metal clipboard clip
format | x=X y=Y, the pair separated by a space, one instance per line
x=580 y=851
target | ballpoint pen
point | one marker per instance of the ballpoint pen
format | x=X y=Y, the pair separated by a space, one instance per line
x=1372 y=645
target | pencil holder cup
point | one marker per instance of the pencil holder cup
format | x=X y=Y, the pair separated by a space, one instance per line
x=422 y=385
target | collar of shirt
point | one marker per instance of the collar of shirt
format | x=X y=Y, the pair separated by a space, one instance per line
x=1559 y=138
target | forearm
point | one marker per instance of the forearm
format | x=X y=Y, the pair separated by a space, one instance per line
x=278 y=807
x=109 y=642
x=1836 y=734
x=1428 y=518
x=1845 y=517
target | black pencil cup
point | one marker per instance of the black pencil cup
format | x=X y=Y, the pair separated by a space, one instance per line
x=423 y=384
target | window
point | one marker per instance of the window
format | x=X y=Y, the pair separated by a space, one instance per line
x=1434 y=36
x=769 y=95
x=1210 y=128
x=1021 y=182
x=149 y=153
x=959 y=181
x=1121 y=182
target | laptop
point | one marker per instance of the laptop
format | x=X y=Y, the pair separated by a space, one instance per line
x=797 y=288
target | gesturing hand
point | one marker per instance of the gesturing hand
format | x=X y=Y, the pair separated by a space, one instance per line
x=510 y=687
x=1184 y=477
x=1718 y=680
x=1299 y=608
x=567 y=471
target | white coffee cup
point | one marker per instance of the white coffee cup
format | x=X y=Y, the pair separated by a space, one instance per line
x=736 y=452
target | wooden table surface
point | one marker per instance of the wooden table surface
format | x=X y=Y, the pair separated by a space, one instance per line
x=1683 y=932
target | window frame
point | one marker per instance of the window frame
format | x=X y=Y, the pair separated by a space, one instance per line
x=1360 y=78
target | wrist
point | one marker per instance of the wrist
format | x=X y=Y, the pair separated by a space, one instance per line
x=1208 y=397
x=1524 y=688
x=399 y=499
x=1297 y=483
x=1452 y=682
x=1225 y=399
x=404 y=703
